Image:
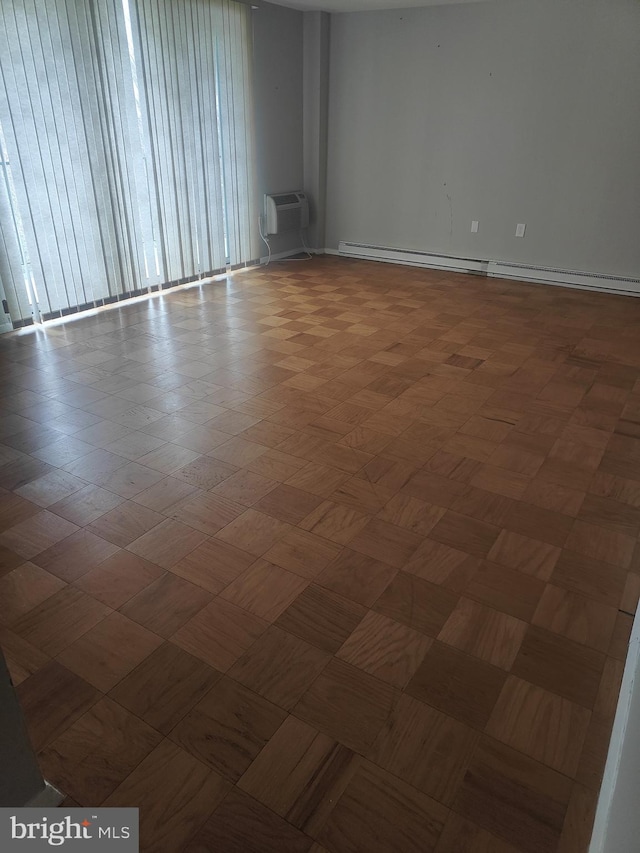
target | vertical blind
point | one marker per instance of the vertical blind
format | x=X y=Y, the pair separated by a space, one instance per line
x=127 y=158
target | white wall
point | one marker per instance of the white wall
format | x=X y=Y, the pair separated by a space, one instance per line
x=277 y=66
x=505 y=113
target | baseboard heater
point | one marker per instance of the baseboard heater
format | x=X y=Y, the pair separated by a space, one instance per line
x=492 y=269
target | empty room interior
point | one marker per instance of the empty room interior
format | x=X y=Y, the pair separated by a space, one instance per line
x=320 y=424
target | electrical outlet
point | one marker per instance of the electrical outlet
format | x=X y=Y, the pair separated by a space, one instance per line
x=474 y=226
x=520 y=229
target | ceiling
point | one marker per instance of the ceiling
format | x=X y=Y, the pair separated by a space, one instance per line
x=363 y=5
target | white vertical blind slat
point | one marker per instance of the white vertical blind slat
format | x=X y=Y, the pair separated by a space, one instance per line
x=128 y=130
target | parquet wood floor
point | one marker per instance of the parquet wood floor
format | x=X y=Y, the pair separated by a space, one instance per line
x=328 y=557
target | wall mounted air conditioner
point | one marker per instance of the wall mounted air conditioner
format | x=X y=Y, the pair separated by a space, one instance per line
x=285 y=212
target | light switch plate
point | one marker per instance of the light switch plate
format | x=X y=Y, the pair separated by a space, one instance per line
x=474 y=226
x=520 y=228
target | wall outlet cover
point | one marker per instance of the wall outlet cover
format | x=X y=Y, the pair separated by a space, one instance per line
x=520 y=229
x=474 y=226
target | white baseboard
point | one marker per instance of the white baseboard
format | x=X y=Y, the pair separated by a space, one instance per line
x=602 y=282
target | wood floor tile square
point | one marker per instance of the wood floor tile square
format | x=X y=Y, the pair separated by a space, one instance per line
x=576 y=617
x=457 y=684
x=53 y=487
x=464 y=836
x=413 y=514
x=442 y=565
x=335 y=522
x=176 y=804
x=484 y=632
x=24 y=588
x=514 y=797
x=482 y=506
x=380 y=814
x=9 y=560
x=264 y=590
x=279 y=667
x=72 y=557
x=321 y=617
x=22 y=471
x=611 y=514
x=165 y=686
x=118 y=578
x=530 y=556
x=507 y=590
x=167 y=458
x=277 y=466
x=60 y=619
x=51 y=700
x=319 y=480
x=554 y=496
x=213 y=565
x=206 y=512
x=253 y=531
x=227 y=729
x=347 y=704
x=516 y=459
x=537 y=523
x=97 y=752
x=167 y=543
x=387 y=542
x=14 y=509
x=357 y=577
x=389 y=650
x=303 y=553
x=300 y=774
x=417 y=603
x=501 y=481
x=593 y=578
x=125 y=523
x=465 y=534
x=559 y=665
x=219 y=634
x=100 y=464
x=425 y=748
x=600 y=543
x=166 y=604
x=289 y=504
x=37 y=533
x=129 y=480
x=86 y=505
x=108 y=652
x=165 y=494
x=137 y=445
x=248 y=489
x=540 y=724
x=205 y=472
x=243 y=825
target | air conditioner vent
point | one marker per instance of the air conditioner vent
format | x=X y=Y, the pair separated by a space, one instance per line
x=285 y=212
x=289 y=198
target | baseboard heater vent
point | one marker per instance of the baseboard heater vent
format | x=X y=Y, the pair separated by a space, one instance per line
x=411 y=257
x=492 y=269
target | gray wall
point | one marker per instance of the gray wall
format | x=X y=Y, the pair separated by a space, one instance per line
x=315 y=112
x=277 y=67
x=500 y=112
